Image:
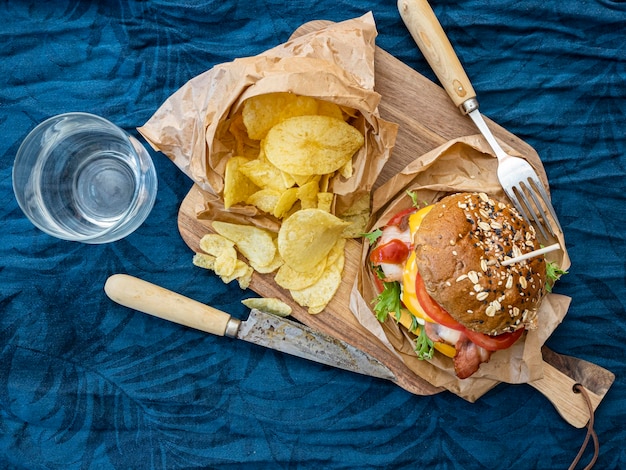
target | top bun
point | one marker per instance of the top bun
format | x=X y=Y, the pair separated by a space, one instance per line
x=460 y=247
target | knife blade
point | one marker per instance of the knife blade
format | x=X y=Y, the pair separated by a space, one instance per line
x=261 y=328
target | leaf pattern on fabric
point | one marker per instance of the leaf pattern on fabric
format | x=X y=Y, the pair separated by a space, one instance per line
x=87 y=384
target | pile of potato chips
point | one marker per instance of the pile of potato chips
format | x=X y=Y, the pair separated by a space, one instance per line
x=288 y=147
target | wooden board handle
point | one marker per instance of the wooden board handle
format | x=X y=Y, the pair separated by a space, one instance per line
x=148 y=298
x=561 y=373
x=430 y=37
x=559 y=389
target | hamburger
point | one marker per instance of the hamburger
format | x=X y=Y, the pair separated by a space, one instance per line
x=440 y=273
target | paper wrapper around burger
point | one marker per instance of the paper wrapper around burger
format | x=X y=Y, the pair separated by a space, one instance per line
x=461 y=165
x=335 y=64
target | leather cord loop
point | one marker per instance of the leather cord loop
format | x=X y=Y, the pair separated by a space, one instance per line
x=591 y=433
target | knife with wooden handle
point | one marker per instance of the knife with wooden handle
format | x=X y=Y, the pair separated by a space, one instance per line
x=299 y=340
x=260 y=328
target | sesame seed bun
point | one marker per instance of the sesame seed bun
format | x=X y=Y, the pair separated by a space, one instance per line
x=459 y=248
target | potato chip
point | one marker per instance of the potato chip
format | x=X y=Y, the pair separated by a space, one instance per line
x=299 y=105
x=288 y=179
x=225 y=264
x=244 y=146
x=285 y=202
x=237 y=186
x=358 y=214
x=268 y=305
x=215 y=244
x=255 y=243
x=301 y=180
x=311 y=145
x=289 y=278
x=346 y=170
x=325 y=201
x=360 y=205
x=241 y=272
x=358 y=225
x=202 y=260
x=293 y=280
x=265 y=199
x=318 y=295
x=276 y=263
x=261 y=113
x=263 y=174
x=307 y=194
x=306 y=237
x=245 y=280
x=314 y=310
x=224 y=252
x=296 y=207
x=327 y=108
x=337 y=254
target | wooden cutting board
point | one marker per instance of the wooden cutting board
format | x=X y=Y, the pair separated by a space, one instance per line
x=427 y=119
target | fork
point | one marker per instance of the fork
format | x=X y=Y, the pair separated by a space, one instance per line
x=517 y=177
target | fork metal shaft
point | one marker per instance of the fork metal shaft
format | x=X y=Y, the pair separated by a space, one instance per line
x=531 y=209
x=484 y=130
x=526 y=210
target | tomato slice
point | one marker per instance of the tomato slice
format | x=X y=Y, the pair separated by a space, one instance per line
x=379 y=283
x=434 y=311
x=494 y=343
x=397 y=219
x=393 y=252
x=432 y=308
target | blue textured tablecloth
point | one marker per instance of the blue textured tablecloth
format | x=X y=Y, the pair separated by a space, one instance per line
x=87 y=384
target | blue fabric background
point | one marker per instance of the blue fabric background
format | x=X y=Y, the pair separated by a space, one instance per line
x=86 y=384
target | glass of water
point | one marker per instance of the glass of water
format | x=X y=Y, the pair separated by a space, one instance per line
x=79 y=177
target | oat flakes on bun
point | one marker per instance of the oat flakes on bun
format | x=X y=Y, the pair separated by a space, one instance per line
x=440 y=275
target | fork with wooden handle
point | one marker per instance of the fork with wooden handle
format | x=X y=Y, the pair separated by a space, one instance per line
x=517 y=177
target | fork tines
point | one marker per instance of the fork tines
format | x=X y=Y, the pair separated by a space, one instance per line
x=531 y=200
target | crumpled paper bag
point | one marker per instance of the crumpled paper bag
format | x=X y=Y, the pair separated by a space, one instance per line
x=464 y=164
x=334 y=64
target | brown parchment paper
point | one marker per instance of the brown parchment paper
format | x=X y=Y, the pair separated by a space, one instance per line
x=464 y=164
x=335 y=64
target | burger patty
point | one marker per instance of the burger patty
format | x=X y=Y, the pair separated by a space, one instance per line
x=459 y=248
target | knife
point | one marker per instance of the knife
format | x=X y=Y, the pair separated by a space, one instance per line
x=561 y=373
x=264 y=329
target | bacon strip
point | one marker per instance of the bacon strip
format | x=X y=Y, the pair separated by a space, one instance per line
x=468 y=357
x=441 y=334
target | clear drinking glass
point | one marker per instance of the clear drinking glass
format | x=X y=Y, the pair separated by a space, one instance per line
x=79 y=177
